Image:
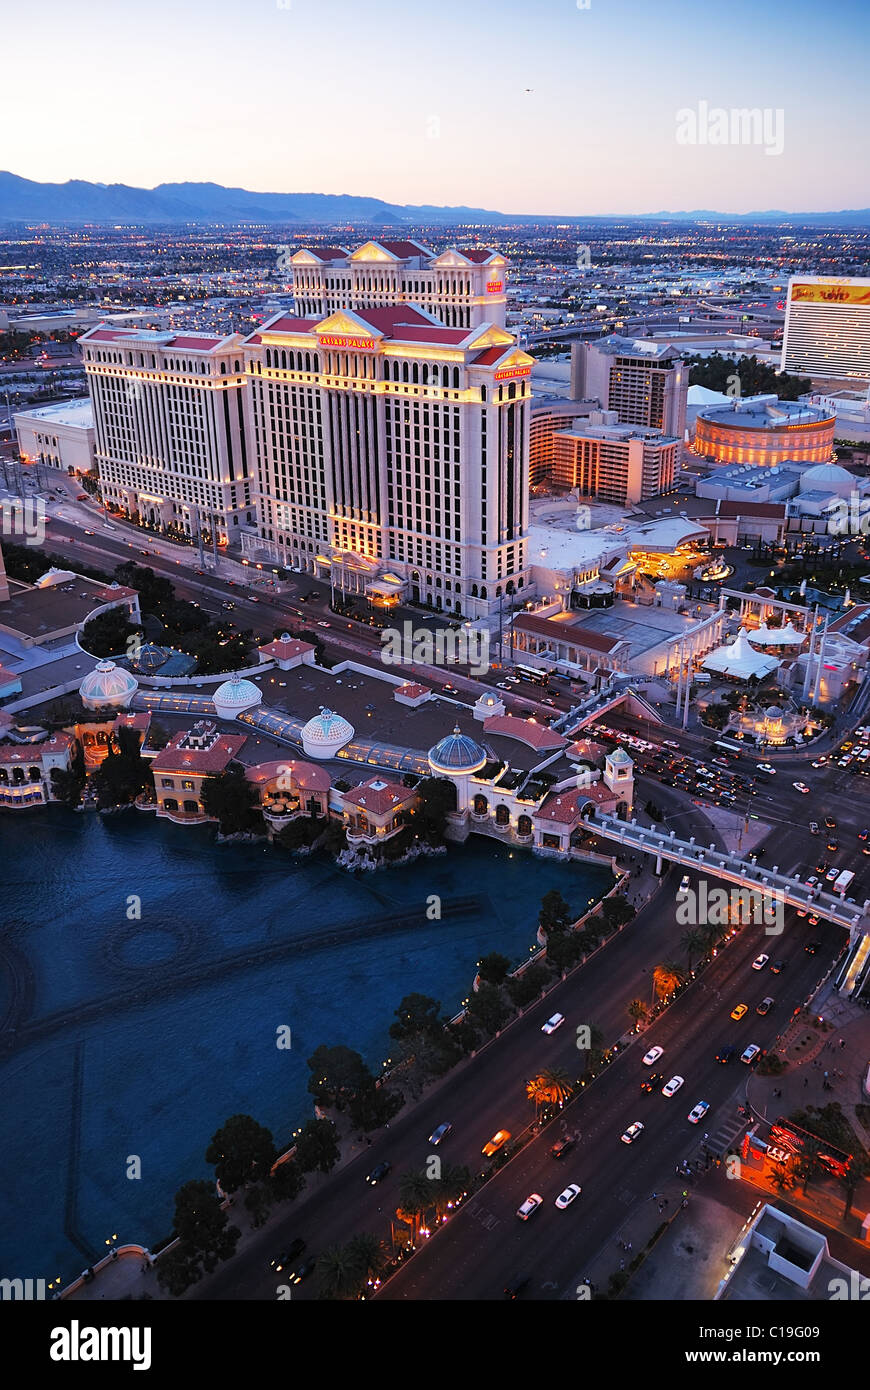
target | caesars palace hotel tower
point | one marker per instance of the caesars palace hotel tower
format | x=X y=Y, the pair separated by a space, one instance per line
x=388 y=421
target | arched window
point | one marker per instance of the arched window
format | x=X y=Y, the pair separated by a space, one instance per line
x=474 y=591
x=404 y=371
x=483 y=591
x=456 y=377
x=284 y=359
x=415 y=374
x=512 y=390
x=483 y=393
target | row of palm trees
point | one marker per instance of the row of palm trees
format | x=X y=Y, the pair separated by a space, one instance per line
x=355 y=1270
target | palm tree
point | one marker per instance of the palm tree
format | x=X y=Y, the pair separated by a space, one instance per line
x=667 y=977
x=369 y=1255
x=692 y=942
x=339 y=1271
x=416 y=1197
x=549 y=1087
x=454 y=1183
x=859 y=1168
x=637 y=1010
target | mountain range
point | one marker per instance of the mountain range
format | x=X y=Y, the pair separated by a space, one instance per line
x=77 y=201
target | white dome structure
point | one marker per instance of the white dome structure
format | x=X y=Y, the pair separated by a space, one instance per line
x=787 y=636
x=108 y=685
x=739 y=660
x=325 y=733
x=828 y=477
x=234 y=696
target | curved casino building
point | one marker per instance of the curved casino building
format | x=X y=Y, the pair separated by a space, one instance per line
x=766 y=431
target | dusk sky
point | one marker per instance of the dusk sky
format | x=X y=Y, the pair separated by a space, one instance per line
x=427 y=103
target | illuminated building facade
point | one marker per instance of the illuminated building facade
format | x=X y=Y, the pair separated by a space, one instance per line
x=390 y=448
x=614 y=463
x=765 y=431
x=645 y=382
x=462 y=288
x=550 y=416
x=827 y=327
x=171 y=450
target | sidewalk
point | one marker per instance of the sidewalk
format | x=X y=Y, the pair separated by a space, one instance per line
x=129 y=1276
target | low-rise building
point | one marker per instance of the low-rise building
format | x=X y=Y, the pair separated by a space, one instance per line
x=180 y=768
x=60 y=436
x=25 y=770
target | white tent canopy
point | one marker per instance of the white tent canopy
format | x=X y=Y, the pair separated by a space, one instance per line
x=787 y=636
x=739 y=660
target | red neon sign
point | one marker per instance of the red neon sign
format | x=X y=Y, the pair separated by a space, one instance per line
x=511 y=371
x=494 y=286
x=351 y=344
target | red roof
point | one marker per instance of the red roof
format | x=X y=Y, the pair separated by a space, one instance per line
x=121 y=591
x=566 y=806
x=411 y=690
x=33 y=752
x=403 y=248
x=305 y=775
x=284 y=650
x=378 y=796
x=325 y=253
x=105 y=335
x=200 y=343
x=537 y=736
x=490 y=356
x=200 y=760
x=478 y=254
x=566 y=632
x=288 y=324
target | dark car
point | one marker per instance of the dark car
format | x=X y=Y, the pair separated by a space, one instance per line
x=652 y=1081
x=514 y=1287
x=765 y=1006
x=561 y=1147
x=778 y=967
x=830 y=823
x=378 y=1173
x=281 y=1262
x=302 y=1271
x=726 y=1054
x=811 y=947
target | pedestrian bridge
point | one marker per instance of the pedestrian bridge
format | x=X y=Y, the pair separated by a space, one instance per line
x=730 y=867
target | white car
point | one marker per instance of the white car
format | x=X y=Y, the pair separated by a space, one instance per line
x=750 y=1054
x=553 y=1023
x=671 y=1087
x=801 y=787
x=633 y=1132
x=760 y=962
x=684 y=883
x=765 y=767
x=653 y=1056
x=565 y=1198
x=695 y=1116
x=532 y=1202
